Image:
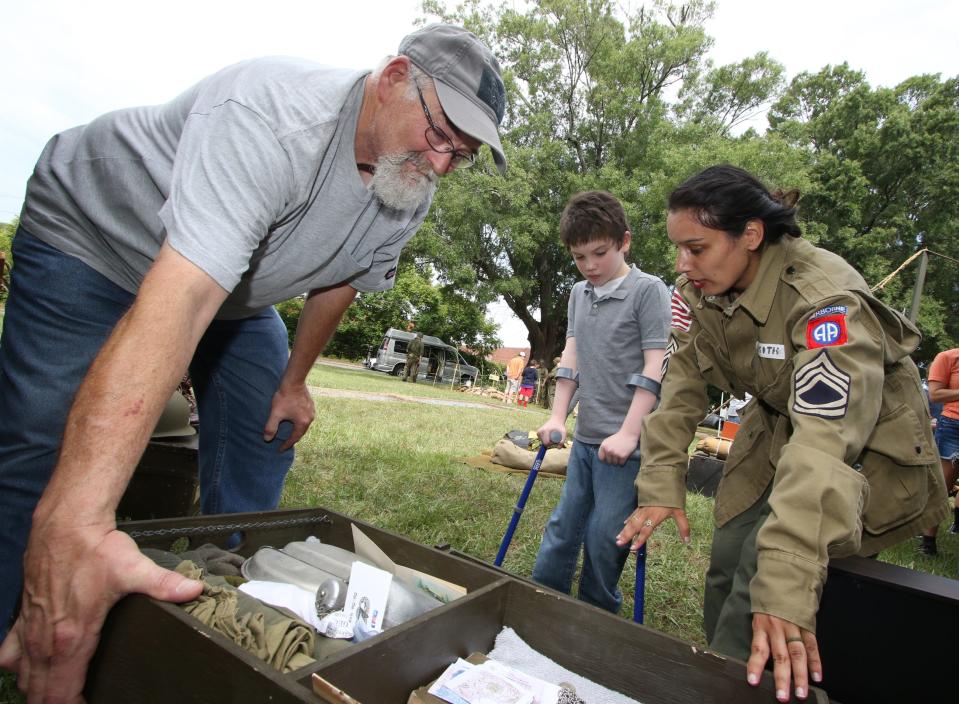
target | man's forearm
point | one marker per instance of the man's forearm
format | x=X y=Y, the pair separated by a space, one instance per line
x=126 y=388
x=322 y=312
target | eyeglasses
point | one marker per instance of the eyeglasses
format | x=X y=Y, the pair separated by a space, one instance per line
x=440 y=142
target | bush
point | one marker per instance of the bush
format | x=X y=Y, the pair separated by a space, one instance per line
x=290 y=313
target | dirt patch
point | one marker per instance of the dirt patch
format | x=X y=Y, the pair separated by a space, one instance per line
x=370 y=396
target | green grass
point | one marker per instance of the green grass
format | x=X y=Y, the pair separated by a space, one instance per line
x=399 y=465
x=360 y=379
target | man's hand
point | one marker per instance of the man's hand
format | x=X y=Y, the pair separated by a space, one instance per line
x=643 y=521
x=548 y=428
x=794 y=652
x=617 y=448
x=292 y=403
x=71 y=579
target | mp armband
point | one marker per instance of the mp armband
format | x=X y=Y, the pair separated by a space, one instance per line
x=641 y=381
x=567 y=373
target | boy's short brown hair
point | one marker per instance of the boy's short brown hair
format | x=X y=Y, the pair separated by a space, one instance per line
x=592 y=215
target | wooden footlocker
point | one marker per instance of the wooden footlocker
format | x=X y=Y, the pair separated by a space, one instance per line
x=154 y=652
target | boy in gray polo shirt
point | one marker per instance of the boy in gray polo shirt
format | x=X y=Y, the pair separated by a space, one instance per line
x=615 y=343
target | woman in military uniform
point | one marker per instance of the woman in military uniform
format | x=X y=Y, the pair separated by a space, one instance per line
x=834 y=457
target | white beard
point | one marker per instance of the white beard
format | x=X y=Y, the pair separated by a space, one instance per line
x=396 y=187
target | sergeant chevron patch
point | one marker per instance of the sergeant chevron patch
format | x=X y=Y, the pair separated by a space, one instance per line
x=671 y=347
x=821 y=388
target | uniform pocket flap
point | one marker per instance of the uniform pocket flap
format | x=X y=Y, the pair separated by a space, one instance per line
x=900 y=436
x=896 y=462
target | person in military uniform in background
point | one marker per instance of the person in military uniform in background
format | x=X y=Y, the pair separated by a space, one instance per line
x=413 y=354
x=835 y=455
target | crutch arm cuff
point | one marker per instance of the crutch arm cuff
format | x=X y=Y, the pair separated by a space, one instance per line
x=567 y=373
x=641 y=381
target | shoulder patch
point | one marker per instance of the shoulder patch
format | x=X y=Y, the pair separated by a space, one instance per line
x=827 y=328
x=829 y=310
x=821 y=388
x=682 y=317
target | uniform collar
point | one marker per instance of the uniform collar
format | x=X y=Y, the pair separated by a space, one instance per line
x=757 y=299
x=623 y=288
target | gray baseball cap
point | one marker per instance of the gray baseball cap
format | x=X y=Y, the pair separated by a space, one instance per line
x=467 y=79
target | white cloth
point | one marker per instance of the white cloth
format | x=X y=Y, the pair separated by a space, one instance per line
x=300 y=601
x=509 y=648
x=735 y=405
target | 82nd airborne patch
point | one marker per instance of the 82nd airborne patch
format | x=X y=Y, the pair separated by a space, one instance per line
x=821 y=388
x=827 y=328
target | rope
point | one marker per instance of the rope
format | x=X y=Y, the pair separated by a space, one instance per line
x=902 y=266
x=906 y=263
x=944 y=256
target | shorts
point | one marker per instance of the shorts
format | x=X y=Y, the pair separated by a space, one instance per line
x=947 y=438
x=526 y=391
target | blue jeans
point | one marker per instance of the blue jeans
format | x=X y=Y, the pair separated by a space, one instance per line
x=597 y=497
x=947 y=438
x=58 y=315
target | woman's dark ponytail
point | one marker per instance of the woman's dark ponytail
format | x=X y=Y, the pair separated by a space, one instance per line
x=725 y=197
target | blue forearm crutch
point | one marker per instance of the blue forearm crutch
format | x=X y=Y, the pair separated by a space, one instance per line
x=554 y=437
x=639 y=595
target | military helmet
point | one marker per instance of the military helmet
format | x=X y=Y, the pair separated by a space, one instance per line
x=175 y=419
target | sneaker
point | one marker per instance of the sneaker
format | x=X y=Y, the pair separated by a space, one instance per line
x=954 y=528
x=928 y=547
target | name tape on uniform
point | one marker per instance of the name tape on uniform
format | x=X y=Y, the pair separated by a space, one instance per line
x=769 y=350
x=821 y=388
x=827 y=328
x=682 y=317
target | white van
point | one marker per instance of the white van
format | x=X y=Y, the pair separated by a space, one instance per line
x=439 y=360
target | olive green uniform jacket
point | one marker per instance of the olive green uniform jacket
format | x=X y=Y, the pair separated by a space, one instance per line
x=838 y=425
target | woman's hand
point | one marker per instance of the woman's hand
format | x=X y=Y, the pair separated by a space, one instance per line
x=643 y=521
x=794 y=651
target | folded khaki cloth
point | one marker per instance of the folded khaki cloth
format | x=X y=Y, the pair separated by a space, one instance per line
x=208 y=557
x=273 y=635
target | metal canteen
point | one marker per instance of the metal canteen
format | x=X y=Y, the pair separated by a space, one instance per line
x=308 y=564
x=330 y=596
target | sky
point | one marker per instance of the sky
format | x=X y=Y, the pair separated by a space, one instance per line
x=66 y=62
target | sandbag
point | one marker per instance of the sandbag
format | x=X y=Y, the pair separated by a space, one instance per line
x=507 y=454
x=717 y=447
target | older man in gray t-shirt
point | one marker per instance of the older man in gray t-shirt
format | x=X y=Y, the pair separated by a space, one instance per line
x=159 y=237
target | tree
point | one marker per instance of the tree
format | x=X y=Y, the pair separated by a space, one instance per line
x=884 y=181
x=7 y=230
x=732 y=94
x=585 y=87
x=435 y=310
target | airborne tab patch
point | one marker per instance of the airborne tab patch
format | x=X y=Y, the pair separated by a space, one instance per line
x=821 y=388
